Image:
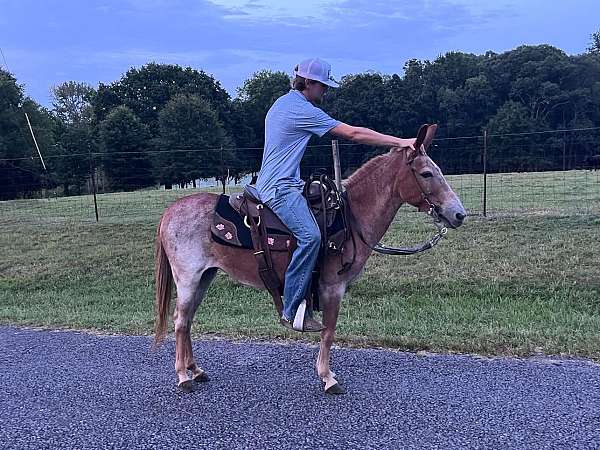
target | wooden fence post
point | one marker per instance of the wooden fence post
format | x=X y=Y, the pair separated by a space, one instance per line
x=484 y=173
x=93 y=180
x=337 y=169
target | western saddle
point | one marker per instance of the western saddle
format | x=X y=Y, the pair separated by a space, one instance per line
x=239 y=215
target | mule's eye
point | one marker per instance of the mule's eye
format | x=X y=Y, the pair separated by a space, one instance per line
x=426 y=174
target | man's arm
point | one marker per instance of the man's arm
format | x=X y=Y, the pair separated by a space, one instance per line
x=367 y=136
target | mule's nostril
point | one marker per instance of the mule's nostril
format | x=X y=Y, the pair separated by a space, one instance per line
x=460 y=216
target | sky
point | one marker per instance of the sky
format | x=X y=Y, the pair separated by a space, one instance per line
x=47 y=42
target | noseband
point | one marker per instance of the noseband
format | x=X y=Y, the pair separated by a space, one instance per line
x=434 y=210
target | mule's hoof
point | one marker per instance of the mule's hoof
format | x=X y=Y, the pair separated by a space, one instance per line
x=201 y=378
x=336 y=389
x=186 y=386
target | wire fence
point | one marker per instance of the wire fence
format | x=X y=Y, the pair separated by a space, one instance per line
x=493 y=175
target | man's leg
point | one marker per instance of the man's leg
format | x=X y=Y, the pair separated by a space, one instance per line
x=290 y=206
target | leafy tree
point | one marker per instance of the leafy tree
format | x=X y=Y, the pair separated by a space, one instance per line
x=465 y=108
x=21 y=172
x=73 y=165
x=125 y=143
x=146 y=91
x=407 y=97
x=510 y=154
x=188 y=122
x=257 y=95
x=594 y=47
x=451 y=70
x=75 y=134
x=255 y=98
x=71 y=102
x=361 y=101
x=249 y=148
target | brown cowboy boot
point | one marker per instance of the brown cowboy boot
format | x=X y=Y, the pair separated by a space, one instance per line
x=309 y=325
x=312 y=325
x=303 y=322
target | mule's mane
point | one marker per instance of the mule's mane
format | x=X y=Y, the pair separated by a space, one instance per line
x=370 y=169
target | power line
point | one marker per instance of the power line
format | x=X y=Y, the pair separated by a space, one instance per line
x=527 y=133
x=479 y=136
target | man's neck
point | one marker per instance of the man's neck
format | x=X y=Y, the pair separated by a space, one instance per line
x=306 y=97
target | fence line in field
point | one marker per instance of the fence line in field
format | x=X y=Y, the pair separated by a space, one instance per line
x=481 y=183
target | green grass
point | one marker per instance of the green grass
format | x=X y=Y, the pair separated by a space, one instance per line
x=509 y=284
x=570 y=192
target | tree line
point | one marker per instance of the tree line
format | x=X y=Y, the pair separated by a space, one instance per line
x=166 y=124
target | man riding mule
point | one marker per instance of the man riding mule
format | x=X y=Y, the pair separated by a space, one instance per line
x=187 y=254
x=289 y=124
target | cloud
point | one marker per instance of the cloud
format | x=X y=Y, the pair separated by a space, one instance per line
x=99 y=40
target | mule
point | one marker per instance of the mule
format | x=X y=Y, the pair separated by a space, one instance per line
x=188 y=257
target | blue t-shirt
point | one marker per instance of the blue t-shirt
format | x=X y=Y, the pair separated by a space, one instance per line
x=288 y=127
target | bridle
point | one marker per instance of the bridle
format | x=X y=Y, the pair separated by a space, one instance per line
x=433 y=211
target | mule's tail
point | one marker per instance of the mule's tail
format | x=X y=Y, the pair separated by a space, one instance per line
x=164 y=285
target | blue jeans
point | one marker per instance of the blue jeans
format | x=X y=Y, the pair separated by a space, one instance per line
x=291 y=207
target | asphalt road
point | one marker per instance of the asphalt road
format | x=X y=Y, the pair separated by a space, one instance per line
x=82 y=391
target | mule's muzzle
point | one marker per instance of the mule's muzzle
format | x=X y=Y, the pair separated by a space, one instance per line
x=453 y=216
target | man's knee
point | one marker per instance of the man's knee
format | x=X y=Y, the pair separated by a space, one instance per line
x=315 y=237
x=311 y=238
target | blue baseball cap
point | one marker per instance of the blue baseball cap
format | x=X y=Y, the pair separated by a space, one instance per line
x=317 y=70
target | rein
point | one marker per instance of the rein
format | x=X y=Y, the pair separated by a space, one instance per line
x=386 y=250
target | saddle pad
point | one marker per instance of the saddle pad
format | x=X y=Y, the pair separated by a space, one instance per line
x=228 y=228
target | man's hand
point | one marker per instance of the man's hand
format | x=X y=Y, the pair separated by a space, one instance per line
x=407 y=143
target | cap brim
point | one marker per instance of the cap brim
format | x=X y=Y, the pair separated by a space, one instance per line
x=331 y=83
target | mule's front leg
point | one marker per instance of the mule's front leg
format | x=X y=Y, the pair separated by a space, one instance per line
x=331 y=308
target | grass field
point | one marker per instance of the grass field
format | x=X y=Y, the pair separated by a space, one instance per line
x=511 y=283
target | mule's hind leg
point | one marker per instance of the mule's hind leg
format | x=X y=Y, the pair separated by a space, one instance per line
x=189 y=296
x=198 y=374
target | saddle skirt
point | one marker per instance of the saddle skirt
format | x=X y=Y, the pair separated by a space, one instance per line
x=231 y=227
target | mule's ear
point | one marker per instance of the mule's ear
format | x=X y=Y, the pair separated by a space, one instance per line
x=431 y=130
x=421 y=136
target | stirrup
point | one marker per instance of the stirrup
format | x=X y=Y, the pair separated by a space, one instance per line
x=298 y=324
x=306 y=323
